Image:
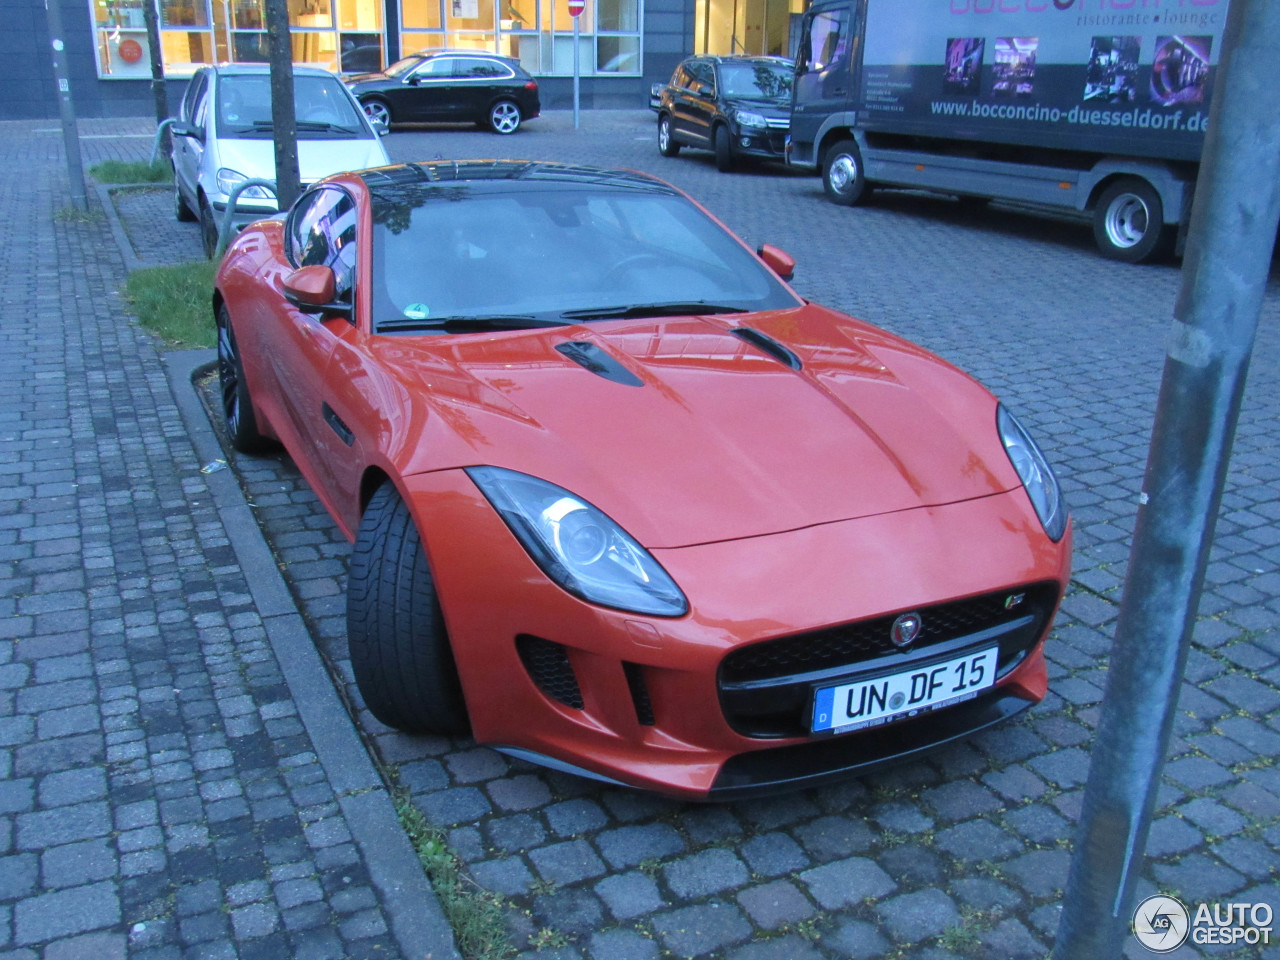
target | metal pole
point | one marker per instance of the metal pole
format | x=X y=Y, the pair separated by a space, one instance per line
x=1224 y=276
x=576 y=29
x=283 y=116
x=66 y=106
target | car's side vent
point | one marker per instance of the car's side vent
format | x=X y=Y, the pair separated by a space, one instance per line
x=763 y=341
x=548 y=665
x=639 y=693
x=590 y=357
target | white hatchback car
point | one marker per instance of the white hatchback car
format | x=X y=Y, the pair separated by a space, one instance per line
x=223 y=136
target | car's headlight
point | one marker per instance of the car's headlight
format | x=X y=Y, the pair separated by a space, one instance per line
x=228 y=180
x=578 y=546
x=1034 y=470
x=747 y=119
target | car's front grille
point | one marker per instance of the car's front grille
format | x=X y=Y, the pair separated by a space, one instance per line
x=766 y=688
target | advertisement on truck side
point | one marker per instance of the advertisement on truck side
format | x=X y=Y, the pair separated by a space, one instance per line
x=1126 y=76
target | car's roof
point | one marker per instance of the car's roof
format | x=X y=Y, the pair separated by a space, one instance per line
x=739 y=58
x=258 y=69
x=459 y=52
x=407 y=182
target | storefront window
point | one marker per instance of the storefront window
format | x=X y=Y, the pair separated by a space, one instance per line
x=348 y=35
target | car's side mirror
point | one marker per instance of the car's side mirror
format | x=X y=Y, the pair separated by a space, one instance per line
x=180 y=129
x=311 y=289
x=413 y=80
x=779 y=261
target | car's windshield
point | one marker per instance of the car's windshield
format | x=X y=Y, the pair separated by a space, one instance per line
x=559 y=251
x=401 y=67
x=321 y=105
x=756 y=81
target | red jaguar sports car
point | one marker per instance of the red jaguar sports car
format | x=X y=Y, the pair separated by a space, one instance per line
x=622 y=503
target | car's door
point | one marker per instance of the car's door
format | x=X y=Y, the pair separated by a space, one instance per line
x=188 y=150
x=299 y=346
x=824 y=82
x=700 y=105
x=430 y=92
x=479 y=81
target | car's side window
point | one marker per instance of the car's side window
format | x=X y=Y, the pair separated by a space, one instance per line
x=322 y=231
x=704 y=81
x=437 y=68
x=681 y=78
x=467 y=67
x=189 y=99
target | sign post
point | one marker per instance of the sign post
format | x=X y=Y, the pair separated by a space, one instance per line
x=575 y=10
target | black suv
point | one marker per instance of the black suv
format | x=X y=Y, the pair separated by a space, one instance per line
x=736 y=106
x=443 y=86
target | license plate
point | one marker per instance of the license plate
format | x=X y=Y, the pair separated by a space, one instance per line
x=868 y=703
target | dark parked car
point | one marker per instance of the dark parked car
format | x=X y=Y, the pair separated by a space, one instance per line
x=443 y=86
x=736 y=106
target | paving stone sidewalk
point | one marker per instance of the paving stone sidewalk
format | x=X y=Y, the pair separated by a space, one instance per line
x=162 y=793
x=963 y=854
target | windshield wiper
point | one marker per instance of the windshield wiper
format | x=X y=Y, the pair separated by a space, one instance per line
x=501 y=321
x=676 y=308
x=323 y=126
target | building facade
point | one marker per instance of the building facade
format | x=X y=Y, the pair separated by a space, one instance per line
x=623 y=46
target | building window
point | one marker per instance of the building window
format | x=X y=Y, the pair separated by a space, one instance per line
x=538 y=33
x=334 y=34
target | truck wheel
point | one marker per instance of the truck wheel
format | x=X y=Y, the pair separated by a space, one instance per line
x=842 y=177
x=400 y=653
x=1128 y=222
x=667 y=145
x=724 y=149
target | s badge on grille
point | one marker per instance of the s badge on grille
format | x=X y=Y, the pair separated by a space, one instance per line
x=905 y=630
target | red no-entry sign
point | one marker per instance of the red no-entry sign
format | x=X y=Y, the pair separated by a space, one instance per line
x=576 y=7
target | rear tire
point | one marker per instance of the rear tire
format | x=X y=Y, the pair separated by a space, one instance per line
x=1128 y=222
x=505 y=117
x=724 y=149
x=400 y=653
x=667 y=145
x=842 y=176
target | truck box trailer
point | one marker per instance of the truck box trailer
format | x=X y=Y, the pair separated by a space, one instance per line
x=1097 y=106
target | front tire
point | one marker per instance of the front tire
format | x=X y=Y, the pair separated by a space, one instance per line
x=237 y=407
x=505 y=117
x=181 y=212
x=377 y=111
x=400 y=653
x=667 y=145
x=1128 y=222
x=842 y=176
x=208 y=230
x=724 y=149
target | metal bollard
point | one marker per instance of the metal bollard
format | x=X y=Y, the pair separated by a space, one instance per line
x=224 y=222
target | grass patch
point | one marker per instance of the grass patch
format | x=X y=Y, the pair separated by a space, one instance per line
x=175 y=302
x=76 y=215
x=132 y=171
x=475 y=916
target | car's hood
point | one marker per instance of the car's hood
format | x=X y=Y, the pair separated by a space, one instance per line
x=713 y=438
x=316 y=158
x=770 y=108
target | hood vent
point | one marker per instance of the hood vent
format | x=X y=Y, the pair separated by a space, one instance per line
x=763 y=341
x=599 y=362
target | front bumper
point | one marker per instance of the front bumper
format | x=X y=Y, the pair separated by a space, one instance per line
x=766 y=142
x=641 y=700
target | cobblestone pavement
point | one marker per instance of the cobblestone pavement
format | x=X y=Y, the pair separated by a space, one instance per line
x=162 y=795
x=964 y=853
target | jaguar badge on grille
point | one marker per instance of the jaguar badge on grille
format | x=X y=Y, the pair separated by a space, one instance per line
x=905 y=630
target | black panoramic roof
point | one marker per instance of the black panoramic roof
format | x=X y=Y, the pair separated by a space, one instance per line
x=395 y=183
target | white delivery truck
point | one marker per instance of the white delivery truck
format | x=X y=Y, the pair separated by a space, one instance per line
x=1097 y=106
